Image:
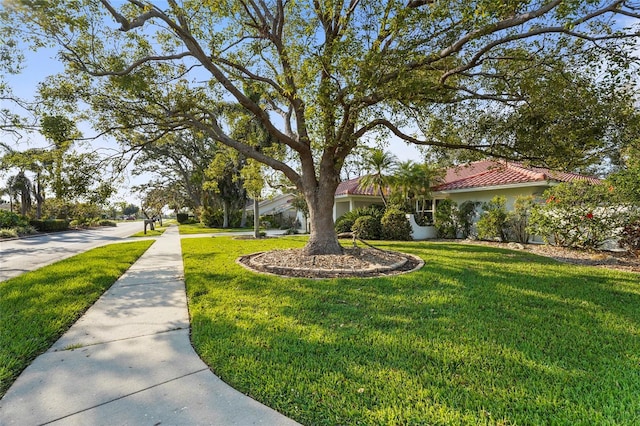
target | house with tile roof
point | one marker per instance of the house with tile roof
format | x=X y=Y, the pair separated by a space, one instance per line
x=479 y=181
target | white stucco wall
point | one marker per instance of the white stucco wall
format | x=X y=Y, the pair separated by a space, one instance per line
x=484 y=196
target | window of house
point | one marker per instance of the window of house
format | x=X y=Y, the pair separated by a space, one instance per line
x=424 y=212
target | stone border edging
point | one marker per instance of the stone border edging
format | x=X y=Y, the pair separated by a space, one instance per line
x=246 y=260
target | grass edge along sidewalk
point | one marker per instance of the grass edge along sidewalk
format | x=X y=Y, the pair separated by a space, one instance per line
x=37 y=307
x=479 y=335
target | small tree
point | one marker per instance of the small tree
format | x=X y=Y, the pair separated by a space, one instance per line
x=253 y=183
x=300 y=204
x=493 y=220
x=380 y=164
x=464 y=217
x=518 y=220
x=445 y=219
x=130 y=210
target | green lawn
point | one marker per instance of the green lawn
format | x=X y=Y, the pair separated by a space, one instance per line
x=155 y=233
x=37 y=307
x=198 y=228
x=478 y=336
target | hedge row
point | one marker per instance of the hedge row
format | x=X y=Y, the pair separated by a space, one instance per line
x=50 y=225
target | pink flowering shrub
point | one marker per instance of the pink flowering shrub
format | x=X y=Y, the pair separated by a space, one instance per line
x=579 y=215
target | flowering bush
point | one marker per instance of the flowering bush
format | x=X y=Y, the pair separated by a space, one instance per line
x=579 y=215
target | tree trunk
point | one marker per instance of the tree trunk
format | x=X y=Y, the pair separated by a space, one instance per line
x=256 y=218
x=225 y=214
x=39 y=202
x=323 y=238
x=243 y=218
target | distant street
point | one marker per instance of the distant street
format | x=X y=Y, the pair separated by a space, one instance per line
x=27 y=254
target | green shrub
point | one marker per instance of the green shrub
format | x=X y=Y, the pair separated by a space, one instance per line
x=55 y=208
x=210 y=217
x=395 y=225
x=105 y=222
x=26 y=230
x=214 y=218
x=493 y=222
x=367 y=228
x=8 y=233
x=50 y=225
x=464 y=217
x=630 y=236
x=445 y=219
x=11 y=220
x=345 y=222
x=85 y=212
x=518 y=220
x=182 y=217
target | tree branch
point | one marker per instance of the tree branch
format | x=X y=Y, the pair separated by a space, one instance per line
x=127 y=25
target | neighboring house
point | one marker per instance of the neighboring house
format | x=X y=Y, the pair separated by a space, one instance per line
x=280 y=209
x=478 y=181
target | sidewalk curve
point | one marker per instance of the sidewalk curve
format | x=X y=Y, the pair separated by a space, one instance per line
x=129 y=361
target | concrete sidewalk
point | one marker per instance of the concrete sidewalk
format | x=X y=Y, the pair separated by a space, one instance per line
x=129 y=361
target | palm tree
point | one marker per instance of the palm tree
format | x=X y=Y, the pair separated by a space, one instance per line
x=20 y=185
x=412 y=181
x=381 y=164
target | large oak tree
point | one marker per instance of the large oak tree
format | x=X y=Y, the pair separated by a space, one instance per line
x=330 y=73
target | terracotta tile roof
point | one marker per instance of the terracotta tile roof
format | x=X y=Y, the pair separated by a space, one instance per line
x=493 y=173
x=352 y=187
x=480 y=174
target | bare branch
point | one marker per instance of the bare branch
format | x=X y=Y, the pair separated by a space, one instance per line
x=498 y=26
x=215 y=131
x=131 y=67
x=475 y=60
x=414 y=4
x=127 y=25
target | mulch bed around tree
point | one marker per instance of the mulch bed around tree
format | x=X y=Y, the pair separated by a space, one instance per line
x=356 y=262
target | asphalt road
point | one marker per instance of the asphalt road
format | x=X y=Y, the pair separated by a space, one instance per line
x=26 y=254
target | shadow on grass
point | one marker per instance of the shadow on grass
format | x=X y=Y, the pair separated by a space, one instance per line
x=36 y=308
x=478 y=335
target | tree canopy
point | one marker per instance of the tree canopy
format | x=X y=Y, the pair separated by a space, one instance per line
x=330 y=73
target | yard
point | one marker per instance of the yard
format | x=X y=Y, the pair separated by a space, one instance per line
x=198 y=228
x=480 y=335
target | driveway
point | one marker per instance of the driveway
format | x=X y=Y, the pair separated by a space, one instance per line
x=26 y=254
